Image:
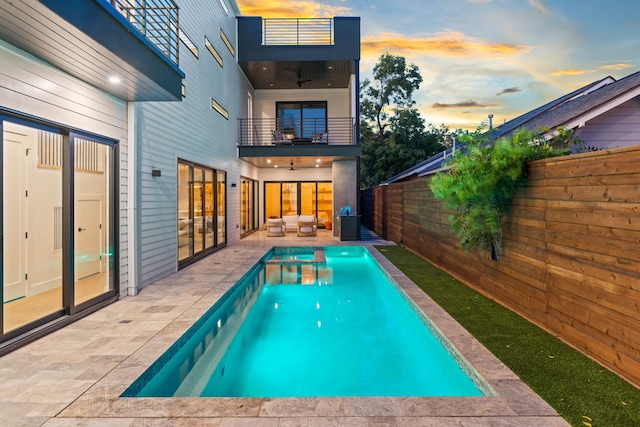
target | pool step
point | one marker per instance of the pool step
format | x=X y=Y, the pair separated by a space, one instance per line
x=319 y=257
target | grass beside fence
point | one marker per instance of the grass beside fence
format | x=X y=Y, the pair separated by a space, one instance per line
x=582 y=391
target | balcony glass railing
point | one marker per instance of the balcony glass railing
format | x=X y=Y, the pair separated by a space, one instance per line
x=332 y=131
x=297 y=31
x=157 y=20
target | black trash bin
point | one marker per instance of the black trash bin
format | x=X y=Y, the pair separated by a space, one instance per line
x=349 y=225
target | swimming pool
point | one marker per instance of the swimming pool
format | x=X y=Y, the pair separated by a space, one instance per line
x=310 y=322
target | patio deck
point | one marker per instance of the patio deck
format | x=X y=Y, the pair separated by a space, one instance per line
x=75 y=375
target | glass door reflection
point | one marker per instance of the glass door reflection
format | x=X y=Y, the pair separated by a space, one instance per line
x=93 y=222
x=32 y=224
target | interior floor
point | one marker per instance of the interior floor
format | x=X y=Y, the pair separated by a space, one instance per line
x=25 y=310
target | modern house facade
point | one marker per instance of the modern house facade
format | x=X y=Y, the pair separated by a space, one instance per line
x=301 y=127
x=123 y=147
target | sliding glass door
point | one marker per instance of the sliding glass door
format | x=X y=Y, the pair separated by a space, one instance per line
x=201 y=217
x=301 y=119
x=93 y=231
x=248 y=205
x=300 y=198
x=59 y=224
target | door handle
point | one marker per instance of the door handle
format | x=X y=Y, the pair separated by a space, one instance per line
x=81 y=229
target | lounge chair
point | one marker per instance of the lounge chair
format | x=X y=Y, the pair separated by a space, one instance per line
x=320 y=138
x=307 y=226
x=275 y=227
x=277 y=138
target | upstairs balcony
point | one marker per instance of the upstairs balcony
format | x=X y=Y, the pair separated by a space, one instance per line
x=99 y=41
x=157 y=20
x=279 y=53
x=290 y=131
x=328 y=137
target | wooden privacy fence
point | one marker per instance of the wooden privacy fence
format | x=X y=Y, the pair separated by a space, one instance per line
x=571 y=250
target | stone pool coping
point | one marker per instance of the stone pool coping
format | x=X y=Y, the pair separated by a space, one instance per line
x=77 y=374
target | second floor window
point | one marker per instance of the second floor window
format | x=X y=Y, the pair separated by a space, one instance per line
x=301 y=119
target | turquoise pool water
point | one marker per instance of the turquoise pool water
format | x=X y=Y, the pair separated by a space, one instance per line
x=309 y=324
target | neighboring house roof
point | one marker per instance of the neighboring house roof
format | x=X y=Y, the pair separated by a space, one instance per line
x=525 y=119
x=434 y=162
x=571 y=110
x=576 y=108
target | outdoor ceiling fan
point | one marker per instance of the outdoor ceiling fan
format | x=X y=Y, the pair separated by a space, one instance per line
x=300 y=81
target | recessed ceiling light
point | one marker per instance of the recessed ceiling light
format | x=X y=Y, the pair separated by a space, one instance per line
x=328 y=84
x=317 y=160
x=114 y=80
x=275 y=166
x=264 y=68
x=268 y=160
x=317 y=166
x=330 y=67
x=271 y=85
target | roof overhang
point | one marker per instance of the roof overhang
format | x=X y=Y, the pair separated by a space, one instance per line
x=299 y=57
x=303 y=156
x=582 y=119
x=91 y=41
x=328 y=74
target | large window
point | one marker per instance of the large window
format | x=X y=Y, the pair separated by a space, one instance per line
x=248 y=205
x=201 y=211
x=300 y=198
x=301 y=120
x=59 y=249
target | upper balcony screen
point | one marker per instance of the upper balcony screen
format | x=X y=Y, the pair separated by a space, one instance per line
x=294 y=32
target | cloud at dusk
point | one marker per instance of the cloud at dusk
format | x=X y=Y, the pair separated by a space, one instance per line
x=509 y=90
x=462 y=104
x=447 y=44
x=616 y=67
x=292 y=9
x=540 y=5
x=579 y=72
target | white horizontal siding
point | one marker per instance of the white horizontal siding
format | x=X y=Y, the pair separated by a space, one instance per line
x=619 y=127
x=31 y=86
x=189 y=130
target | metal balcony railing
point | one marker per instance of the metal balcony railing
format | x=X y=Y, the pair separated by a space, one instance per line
x=297 y=31
x=157 y=20
x=332 y=131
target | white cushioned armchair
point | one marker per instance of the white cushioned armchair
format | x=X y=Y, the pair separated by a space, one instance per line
x=275 y=227
x=307 y=225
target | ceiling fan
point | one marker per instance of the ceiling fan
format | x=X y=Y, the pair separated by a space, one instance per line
x=300 y=81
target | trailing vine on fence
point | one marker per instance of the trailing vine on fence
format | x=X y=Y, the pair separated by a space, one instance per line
x=483 y=177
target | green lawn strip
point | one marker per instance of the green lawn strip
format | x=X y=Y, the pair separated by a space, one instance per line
x=570 y=382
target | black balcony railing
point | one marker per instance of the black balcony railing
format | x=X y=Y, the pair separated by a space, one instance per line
x=297 y=31
x=157 y=20
x=332 y=131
